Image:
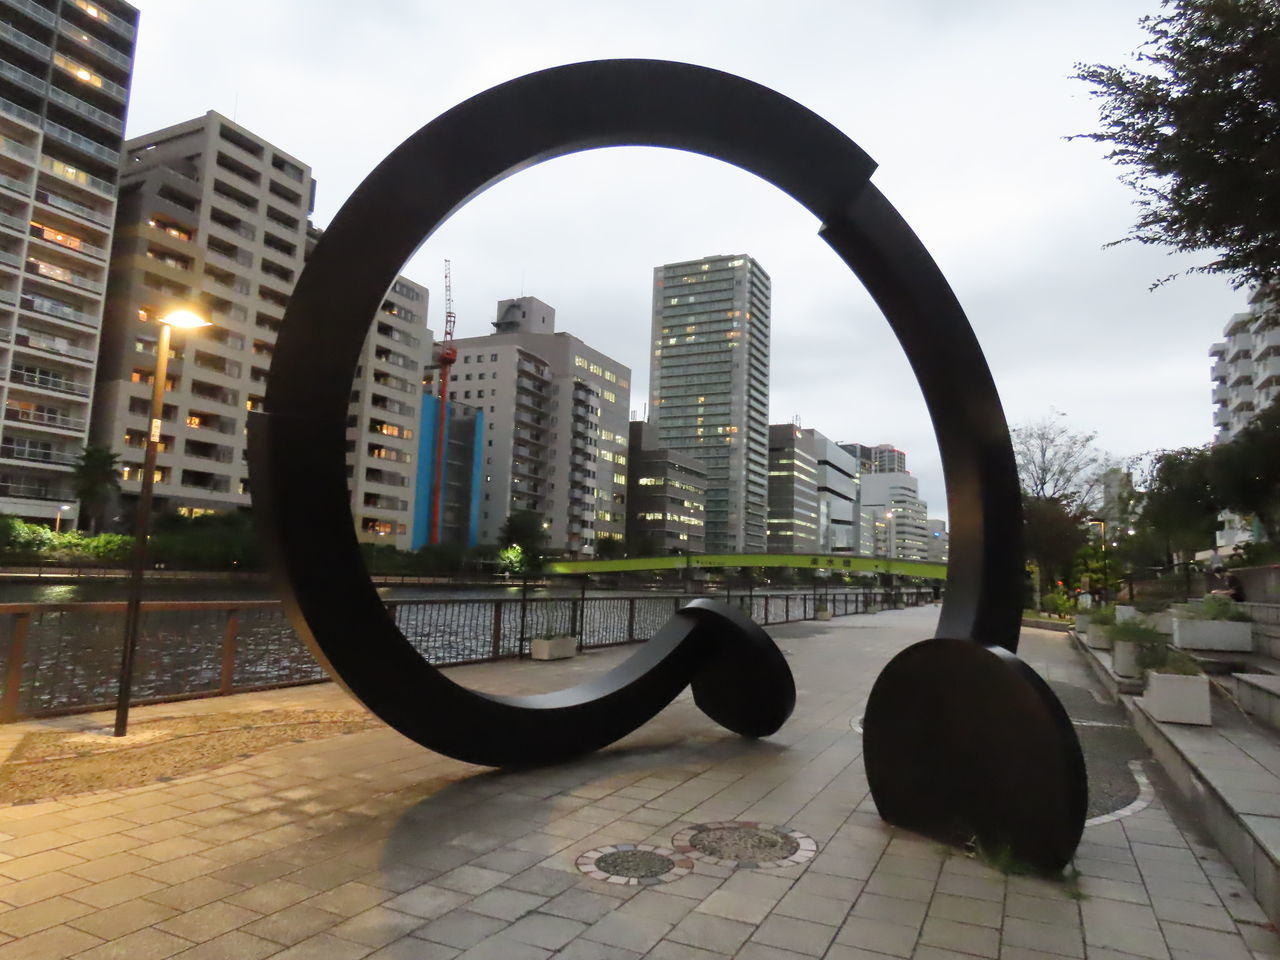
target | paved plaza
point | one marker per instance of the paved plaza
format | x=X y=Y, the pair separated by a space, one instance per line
x=368 y=846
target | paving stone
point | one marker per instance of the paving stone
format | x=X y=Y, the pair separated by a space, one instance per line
x=629 y=932
x=1198 y=942
x=984 y=913
x=410 y=948
x=147 y=944
x=807 y=906
x=507 y=904
x=292 y=924
x=235 y=945
x=878 y=935
x=122 y=918
x=24 y=921
x=737 y=906
x=55 y=942
x=377 y=926
x=206 y=922
x=349 y=898
x=709 y=932
x=909 y=913
x=460 y=928
x=961 y=937
x=499 y=947
x=324 y=946
x=427 y=901
x=194 y=893
x=800 y=936
x=1048 y=937
x=579 y=904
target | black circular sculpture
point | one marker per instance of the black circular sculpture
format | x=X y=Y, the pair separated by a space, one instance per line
x=962 y=740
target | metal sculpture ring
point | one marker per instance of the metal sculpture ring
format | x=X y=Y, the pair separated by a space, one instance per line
x=922 y=773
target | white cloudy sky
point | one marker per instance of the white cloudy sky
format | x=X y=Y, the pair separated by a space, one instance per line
x=964 y=104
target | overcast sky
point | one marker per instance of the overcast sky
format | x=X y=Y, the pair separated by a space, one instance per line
x=963 y=104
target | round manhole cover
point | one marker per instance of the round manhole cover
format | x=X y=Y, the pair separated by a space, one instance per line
x=745 y=844
x=636 y=864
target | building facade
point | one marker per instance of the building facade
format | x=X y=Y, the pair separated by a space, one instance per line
x=938 y=544
x=839 y=497
x=461 y=476
x=793 y=490
x=898 y=515
x=709 y=387
x=666 y=497
x=1246 y=379
x=555 y=431
x=213 y=217
x=65 y=72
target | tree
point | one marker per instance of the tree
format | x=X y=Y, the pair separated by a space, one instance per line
x=1178 y=502
x=95 y=479
x=1244 y=473
x=1056 y=463
x=1052 y=534
x=523 y=528
x=1192 y=124
x=607 y=548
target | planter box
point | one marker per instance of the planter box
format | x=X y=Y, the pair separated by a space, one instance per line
x=822 y=614
x=553 y=648
x=1126 y=614
x=1082 y=624
x=1163 y=621
x=1172 y=698
x=1098 y=638
x=1230 y=635
x=1124 y=659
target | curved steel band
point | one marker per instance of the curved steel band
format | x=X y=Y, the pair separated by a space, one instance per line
x=299 y=482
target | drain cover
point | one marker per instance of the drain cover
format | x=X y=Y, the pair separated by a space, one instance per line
x=636 y=864
x=738 y=843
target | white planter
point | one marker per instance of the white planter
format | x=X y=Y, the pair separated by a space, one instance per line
x=1098 y=638
x=1126 y=614
x=1162 y=622
x=1172 y=698
x=553 y=648
x=1124 y=659
x=1213 y=635
x=1082 y=624
x=823 y=614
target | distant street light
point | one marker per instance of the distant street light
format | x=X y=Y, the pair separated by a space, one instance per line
x=183 y=320
x=57 y=521
x=1106 y=578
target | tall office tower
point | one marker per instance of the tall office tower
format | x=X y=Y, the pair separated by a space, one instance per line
x=213 y=216
x=793 y=490
x=863 y=455
x=461 y=474
x=898 y=515
x=889 y=459
x=1246 y=379
x=938 y=544
x=666 y=497
x=709 y=387
x=65 y=70
x=555 y=436
x=839 y=495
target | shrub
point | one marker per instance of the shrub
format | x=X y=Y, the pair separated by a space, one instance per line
x=1103 y=616
x=1222 y=608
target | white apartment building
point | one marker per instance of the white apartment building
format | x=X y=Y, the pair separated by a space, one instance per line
x=214 y=217
x=709 y=387
x=65 y=71
x=1246 y=379
x=897 y=514
x=555 y=433
x=938 y=544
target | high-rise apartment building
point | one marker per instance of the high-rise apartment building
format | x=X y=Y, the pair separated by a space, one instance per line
x=898 y=515
x=938 y=541
x=555 y=432
x=793 y=490
x=214 y=217
x=709 y=387
x=65 y=71
x=882 y=458
x=1246 y=379
x=460 y=476
x=666 y=497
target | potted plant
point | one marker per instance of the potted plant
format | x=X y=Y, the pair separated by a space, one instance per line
x=1220 y=624
x=1126 y=613
x=1127 y=642
x=1100 y=620
x=822 y=610
x=553 y=646
x=1177 y=689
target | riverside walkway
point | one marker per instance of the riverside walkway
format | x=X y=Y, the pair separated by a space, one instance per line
x=364 y=845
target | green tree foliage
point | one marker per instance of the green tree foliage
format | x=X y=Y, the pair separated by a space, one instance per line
x=1052 y=534
x=1192 y=123
x=1179 y=503
x=609 y=549
x=214 y=541
x=523 y=528
x=95 y=479
x=1244 y=473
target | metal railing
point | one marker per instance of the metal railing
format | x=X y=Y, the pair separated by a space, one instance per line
x=64 y=658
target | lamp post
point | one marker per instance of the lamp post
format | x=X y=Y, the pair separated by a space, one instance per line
x=183 y=319
x=57 y=521
x=1106 y=579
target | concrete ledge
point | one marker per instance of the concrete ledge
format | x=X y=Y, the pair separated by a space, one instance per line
x=1099 y=662
x=1206 y=776
x=1061 y=626
x=1259 y=696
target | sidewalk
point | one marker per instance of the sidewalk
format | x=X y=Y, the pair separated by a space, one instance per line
x=367 y=846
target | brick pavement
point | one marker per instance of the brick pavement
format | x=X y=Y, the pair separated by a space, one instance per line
x=368 y=846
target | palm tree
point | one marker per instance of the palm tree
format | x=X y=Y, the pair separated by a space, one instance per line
x=96 y=478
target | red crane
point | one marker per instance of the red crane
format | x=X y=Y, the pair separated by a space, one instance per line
x=448 y=354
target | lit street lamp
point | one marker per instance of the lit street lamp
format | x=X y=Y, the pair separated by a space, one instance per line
x=1106 y=579
x=185 y=320
x=57 y=521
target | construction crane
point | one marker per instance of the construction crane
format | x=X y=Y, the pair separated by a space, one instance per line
x=448 y=354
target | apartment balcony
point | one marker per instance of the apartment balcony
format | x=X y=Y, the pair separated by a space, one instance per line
x=36 y=454
x=1222 y=417
x=33 y=10
x=113 y=23
x=91 y=113
x=54 y=346
x=1220 y=393
x=48 y=381
x=11 y=109
x=78 y=141
x=23 y=42
x=78 y=177
x=64 y=275
x=528 y=437
x=64 y=205
x=524 y=366
x=8 y=299
x=1220 y=370
x=89 y=42
x=526 y=470
x=1265 y=340
x=14 y=224
x=11 y=260
x=20 y=187
x=50 y=421
x=209 y=482
x=13 y=148
x=1267 y=370
x=28 y=81
x=83 y=74
x=1242 y=397
x=60 y=241
x=30 y=489
x=57 y=309
x=1241 y=370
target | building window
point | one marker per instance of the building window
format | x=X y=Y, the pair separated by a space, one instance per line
x=493 y=357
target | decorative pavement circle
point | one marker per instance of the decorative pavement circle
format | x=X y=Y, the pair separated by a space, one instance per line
x=634 y=864
x=744 y=843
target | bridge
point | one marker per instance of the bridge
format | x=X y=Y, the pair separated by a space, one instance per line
x=708 y=561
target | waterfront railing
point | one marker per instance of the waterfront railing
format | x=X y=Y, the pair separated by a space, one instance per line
x=60 y=658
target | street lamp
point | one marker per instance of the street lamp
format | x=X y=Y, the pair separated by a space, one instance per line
x=183 y=320
x=1106 y=578
x=57 y=521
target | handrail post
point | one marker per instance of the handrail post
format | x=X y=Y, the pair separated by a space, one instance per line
x=230 y=632
x=631 y=619
x=496 y=633
x=17 y=660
